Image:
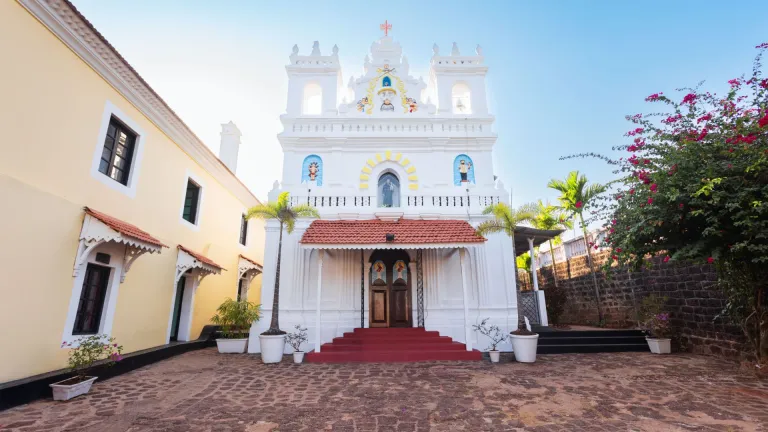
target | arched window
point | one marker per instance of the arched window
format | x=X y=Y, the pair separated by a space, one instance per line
x=461 y=99
x=389 y=190
x=463 y=170
x=312 y=104
x=312 y=170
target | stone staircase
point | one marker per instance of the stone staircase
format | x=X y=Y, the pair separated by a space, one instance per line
x=388 y=345
x=590 y=341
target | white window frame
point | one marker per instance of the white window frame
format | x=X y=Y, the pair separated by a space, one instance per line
x=129 y=189
x=116 y=252
x=198 y=216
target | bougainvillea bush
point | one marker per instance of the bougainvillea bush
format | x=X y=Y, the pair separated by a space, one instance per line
x=694 y=186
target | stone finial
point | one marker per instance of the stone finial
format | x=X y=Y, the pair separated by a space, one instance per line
x=479 y=50
x=316 y=48
x=455 y=50
x=435 y=49
x=336 y=49
x=295 y=49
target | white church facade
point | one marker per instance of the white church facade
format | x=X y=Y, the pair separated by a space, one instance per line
x=400 y=170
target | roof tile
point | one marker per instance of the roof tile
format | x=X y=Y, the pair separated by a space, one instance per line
x=124 y=227
x=203 y=259
x=406 y=231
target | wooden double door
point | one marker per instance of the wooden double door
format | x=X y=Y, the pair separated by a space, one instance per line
x=390 y=289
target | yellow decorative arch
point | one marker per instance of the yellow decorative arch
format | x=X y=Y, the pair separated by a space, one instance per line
x=367 y=169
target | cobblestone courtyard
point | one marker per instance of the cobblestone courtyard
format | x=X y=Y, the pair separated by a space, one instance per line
x=205 y=391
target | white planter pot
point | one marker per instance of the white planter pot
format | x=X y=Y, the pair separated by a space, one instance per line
x=298 y=356
x=272 y=348
x=231 y=346
x=64 y=392
x=659 y=346
x=494 y=356
x=524 y=347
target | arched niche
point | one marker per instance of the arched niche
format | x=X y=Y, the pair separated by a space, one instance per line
x=312 y=170
x=461 y=98
x=312 y=99
x=463 y=170
x=388 y=190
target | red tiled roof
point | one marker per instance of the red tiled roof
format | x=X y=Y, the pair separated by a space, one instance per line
x=406 y=231
x=249 y=260
x=201 y=258
x=124 y=228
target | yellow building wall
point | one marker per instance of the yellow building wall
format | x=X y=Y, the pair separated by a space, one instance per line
x=50 y=114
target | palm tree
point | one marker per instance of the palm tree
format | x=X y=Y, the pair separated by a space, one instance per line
x=549 y=217
x=506 y=220
x=575 y=196
x=286 y=214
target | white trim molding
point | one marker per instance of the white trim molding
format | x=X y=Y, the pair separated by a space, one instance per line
x=74 y=30
x=129 y=189
x=392 y=246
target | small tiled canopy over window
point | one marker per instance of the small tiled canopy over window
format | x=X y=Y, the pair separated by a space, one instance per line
x=117 y=153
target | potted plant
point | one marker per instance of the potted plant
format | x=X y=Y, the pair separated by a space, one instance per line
x=272 y=341
x=494 y=335
x=524 y=342
x=656 y=323
x=235 y=318
x=85 y=352
x=295 y=340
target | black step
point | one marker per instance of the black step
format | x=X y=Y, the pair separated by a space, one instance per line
x=594 y=340
x=563 y=349
x=590 y=333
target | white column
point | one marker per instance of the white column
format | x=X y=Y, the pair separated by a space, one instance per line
x=533 y=265
x=467 y=333
x=318 y=331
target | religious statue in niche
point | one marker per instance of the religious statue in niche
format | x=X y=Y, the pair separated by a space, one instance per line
x=389 y=191
x=400 y=271
x=362 y=103
x=463 y=170
x=387 y=105
x=312 y=170
x=378 y=272
x=386 y=82
x=412 y=105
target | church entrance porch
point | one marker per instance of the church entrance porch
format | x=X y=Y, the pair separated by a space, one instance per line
x=390 y=289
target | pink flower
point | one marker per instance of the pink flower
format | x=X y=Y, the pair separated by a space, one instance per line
x=704 y=118
x=764 y=83
x=690 y=98
x=654 y=187
x=762 y=45
x=710 y=260
x=763 y=121
x=613 y=222
x=646 y=161
x=666 y=258
x=650 y=200
x=618 y=250
x=734 y=82
x=653 y=97
x=578 y=204
x=631 y=191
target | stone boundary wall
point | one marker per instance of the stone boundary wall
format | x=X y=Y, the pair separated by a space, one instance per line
x=694 y=300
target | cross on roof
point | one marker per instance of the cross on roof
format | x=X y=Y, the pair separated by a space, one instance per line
x=386 y=27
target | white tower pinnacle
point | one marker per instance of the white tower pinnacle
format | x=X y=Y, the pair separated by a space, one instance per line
x=230 y=145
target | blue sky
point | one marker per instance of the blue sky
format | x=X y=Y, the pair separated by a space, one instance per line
x=562 y=73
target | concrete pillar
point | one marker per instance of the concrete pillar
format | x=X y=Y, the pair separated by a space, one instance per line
x=318 y=330
x=467 y=332
x=533 y=265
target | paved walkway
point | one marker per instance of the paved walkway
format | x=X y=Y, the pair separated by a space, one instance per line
x=206 y=391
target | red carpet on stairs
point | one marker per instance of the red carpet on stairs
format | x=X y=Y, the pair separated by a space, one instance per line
x=386 y=345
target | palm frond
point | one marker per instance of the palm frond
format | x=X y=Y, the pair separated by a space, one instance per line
x=491 y=227
x=305 y=210
x=262 y=211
